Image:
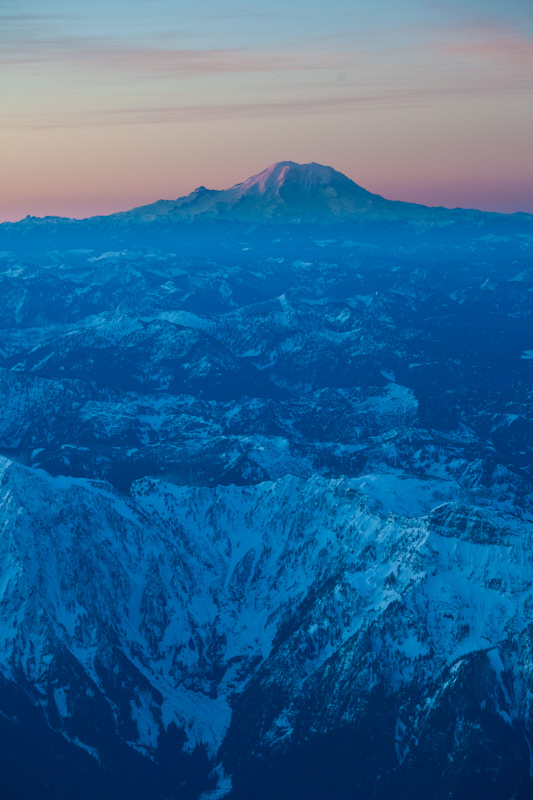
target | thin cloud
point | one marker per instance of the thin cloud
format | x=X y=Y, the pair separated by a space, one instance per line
x=26 y=17
x=325 y=104
x=512 y=48
x=427 y=71
x=91 y=54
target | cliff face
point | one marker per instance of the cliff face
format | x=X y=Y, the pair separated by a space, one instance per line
x=257 y=618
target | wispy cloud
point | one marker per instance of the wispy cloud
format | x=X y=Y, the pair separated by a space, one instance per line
x=494 y=45
x=346 y=72
x=91 y=54
x=117 y=61
x=175 y=113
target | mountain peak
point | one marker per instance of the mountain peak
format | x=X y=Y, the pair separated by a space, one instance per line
x=283 y=192
x=283 y=173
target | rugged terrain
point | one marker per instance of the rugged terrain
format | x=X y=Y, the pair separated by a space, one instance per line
x=266 y=498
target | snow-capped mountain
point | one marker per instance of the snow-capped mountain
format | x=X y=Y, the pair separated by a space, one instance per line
x=285 y=191
x=266 y=499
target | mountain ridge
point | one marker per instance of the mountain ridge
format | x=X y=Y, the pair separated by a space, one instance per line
x=286 y=192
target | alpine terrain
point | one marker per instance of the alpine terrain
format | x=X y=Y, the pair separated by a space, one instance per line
x=266 y=507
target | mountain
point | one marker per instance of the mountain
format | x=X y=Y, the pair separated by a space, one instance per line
x=287 y=202
x=266 y=497
x=285 y=191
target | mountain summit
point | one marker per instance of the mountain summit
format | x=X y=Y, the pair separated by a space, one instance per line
x=285 y=191
x=285 y=175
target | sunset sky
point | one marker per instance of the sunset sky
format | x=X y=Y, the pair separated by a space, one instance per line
x=108 y=105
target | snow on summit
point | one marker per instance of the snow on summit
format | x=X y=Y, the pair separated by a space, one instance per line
x=285 y=191
x=282 y=173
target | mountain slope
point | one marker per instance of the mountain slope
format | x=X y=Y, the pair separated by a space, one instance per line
x=248 y=617
x=284 y=193
x=266 y=492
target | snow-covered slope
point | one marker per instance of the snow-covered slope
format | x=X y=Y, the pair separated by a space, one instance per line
x=266 y=500
x=285 y=191
x=165 y=606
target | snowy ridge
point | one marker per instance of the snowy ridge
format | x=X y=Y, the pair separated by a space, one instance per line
x=192 y=587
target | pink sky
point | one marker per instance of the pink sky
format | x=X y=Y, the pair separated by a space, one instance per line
x=111 y=108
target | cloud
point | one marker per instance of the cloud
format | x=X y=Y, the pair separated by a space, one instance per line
x=326 y=73
x=175 y=113
x=493 y=45
x=107 y=56
x=159 y=62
